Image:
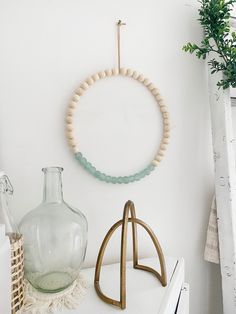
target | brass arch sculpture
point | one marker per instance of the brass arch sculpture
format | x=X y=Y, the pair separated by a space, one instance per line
x=129 y=208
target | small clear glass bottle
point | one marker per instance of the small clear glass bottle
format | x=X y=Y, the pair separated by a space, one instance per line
x=55 y=238
x=8 y=234
x=13 y=265
x=5 y=214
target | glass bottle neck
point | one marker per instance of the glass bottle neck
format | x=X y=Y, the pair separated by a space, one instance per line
x=52 y=185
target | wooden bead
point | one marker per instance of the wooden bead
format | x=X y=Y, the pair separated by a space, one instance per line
x=71 y=142
x=151 y=86
x=102 y=74
x=161 y=103
x=166 y=134
x=166 y=121
x=96 y=77
x=90 y=81
x=158 y=158
x=160 y=153
x=163 y=109
x=85 y=85
x=76 y=98
x=79 y=91
x=72 y=105
x=155 y=162
x=70 y=135
x=166 y=128
x=108 y=72
x=166 y=115
x=70 y=112
x=146 y=82
x=123 y=71
x=165 y=141
x=141 y=78
x=69 y=119
x=69 y=127
x=158 y=97
x=69 y=124
x=135 y=75
x=75 y=149
x=130 y=72
x=155 y=91
x=163 y=146
x=115 y=72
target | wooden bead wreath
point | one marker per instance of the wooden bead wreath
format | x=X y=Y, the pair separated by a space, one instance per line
x=84 y=87
x=71 y=138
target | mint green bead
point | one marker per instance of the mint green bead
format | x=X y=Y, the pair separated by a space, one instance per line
x=113 y=180
x=78 y=158
x=122 y=179
x=141 y=174
x=132 y=178
x=137 y=177
x=108 y=179
x=78 y=155
x=83 y=161
x=126 y=179
x=92 y=170
x=119 y=180
x=97 y=174
x=85 y=164
x=80 y=161
x=152 y=167
x=146 y=171
x=103 y=177
x=88 y=166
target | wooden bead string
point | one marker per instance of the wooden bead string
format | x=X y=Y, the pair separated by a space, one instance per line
x=70 y=119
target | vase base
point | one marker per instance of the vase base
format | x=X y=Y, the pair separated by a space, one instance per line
x=52 y=282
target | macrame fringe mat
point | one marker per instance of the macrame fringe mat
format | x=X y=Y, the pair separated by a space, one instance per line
x=40 y=303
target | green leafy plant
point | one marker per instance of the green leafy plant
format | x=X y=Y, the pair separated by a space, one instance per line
x=215 y=20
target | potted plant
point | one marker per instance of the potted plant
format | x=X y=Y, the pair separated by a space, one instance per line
x=215 y=19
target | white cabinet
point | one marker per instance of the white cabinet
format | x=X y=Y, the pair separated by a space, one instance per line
x=145 y=295
x=183 y=305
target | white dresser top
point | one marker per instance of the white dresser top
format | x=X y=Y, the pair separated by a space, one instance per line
x=145 y=294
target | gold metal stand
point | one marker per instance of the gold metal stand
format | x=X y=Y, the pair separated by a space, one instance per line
x=129 y=208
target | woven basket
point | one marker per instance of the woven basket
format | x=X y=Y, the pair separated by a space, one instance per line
x=17 y=273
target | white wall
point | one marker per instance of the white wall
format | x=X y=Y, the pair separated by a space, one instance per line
x=47 y=48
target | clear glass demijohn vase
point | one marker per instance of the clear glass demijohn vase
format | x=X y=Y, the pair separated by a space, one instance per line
x=55 y=238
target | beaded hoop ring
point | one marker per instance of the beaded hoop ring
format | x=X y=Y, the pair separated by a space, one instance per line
x=72 y=141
